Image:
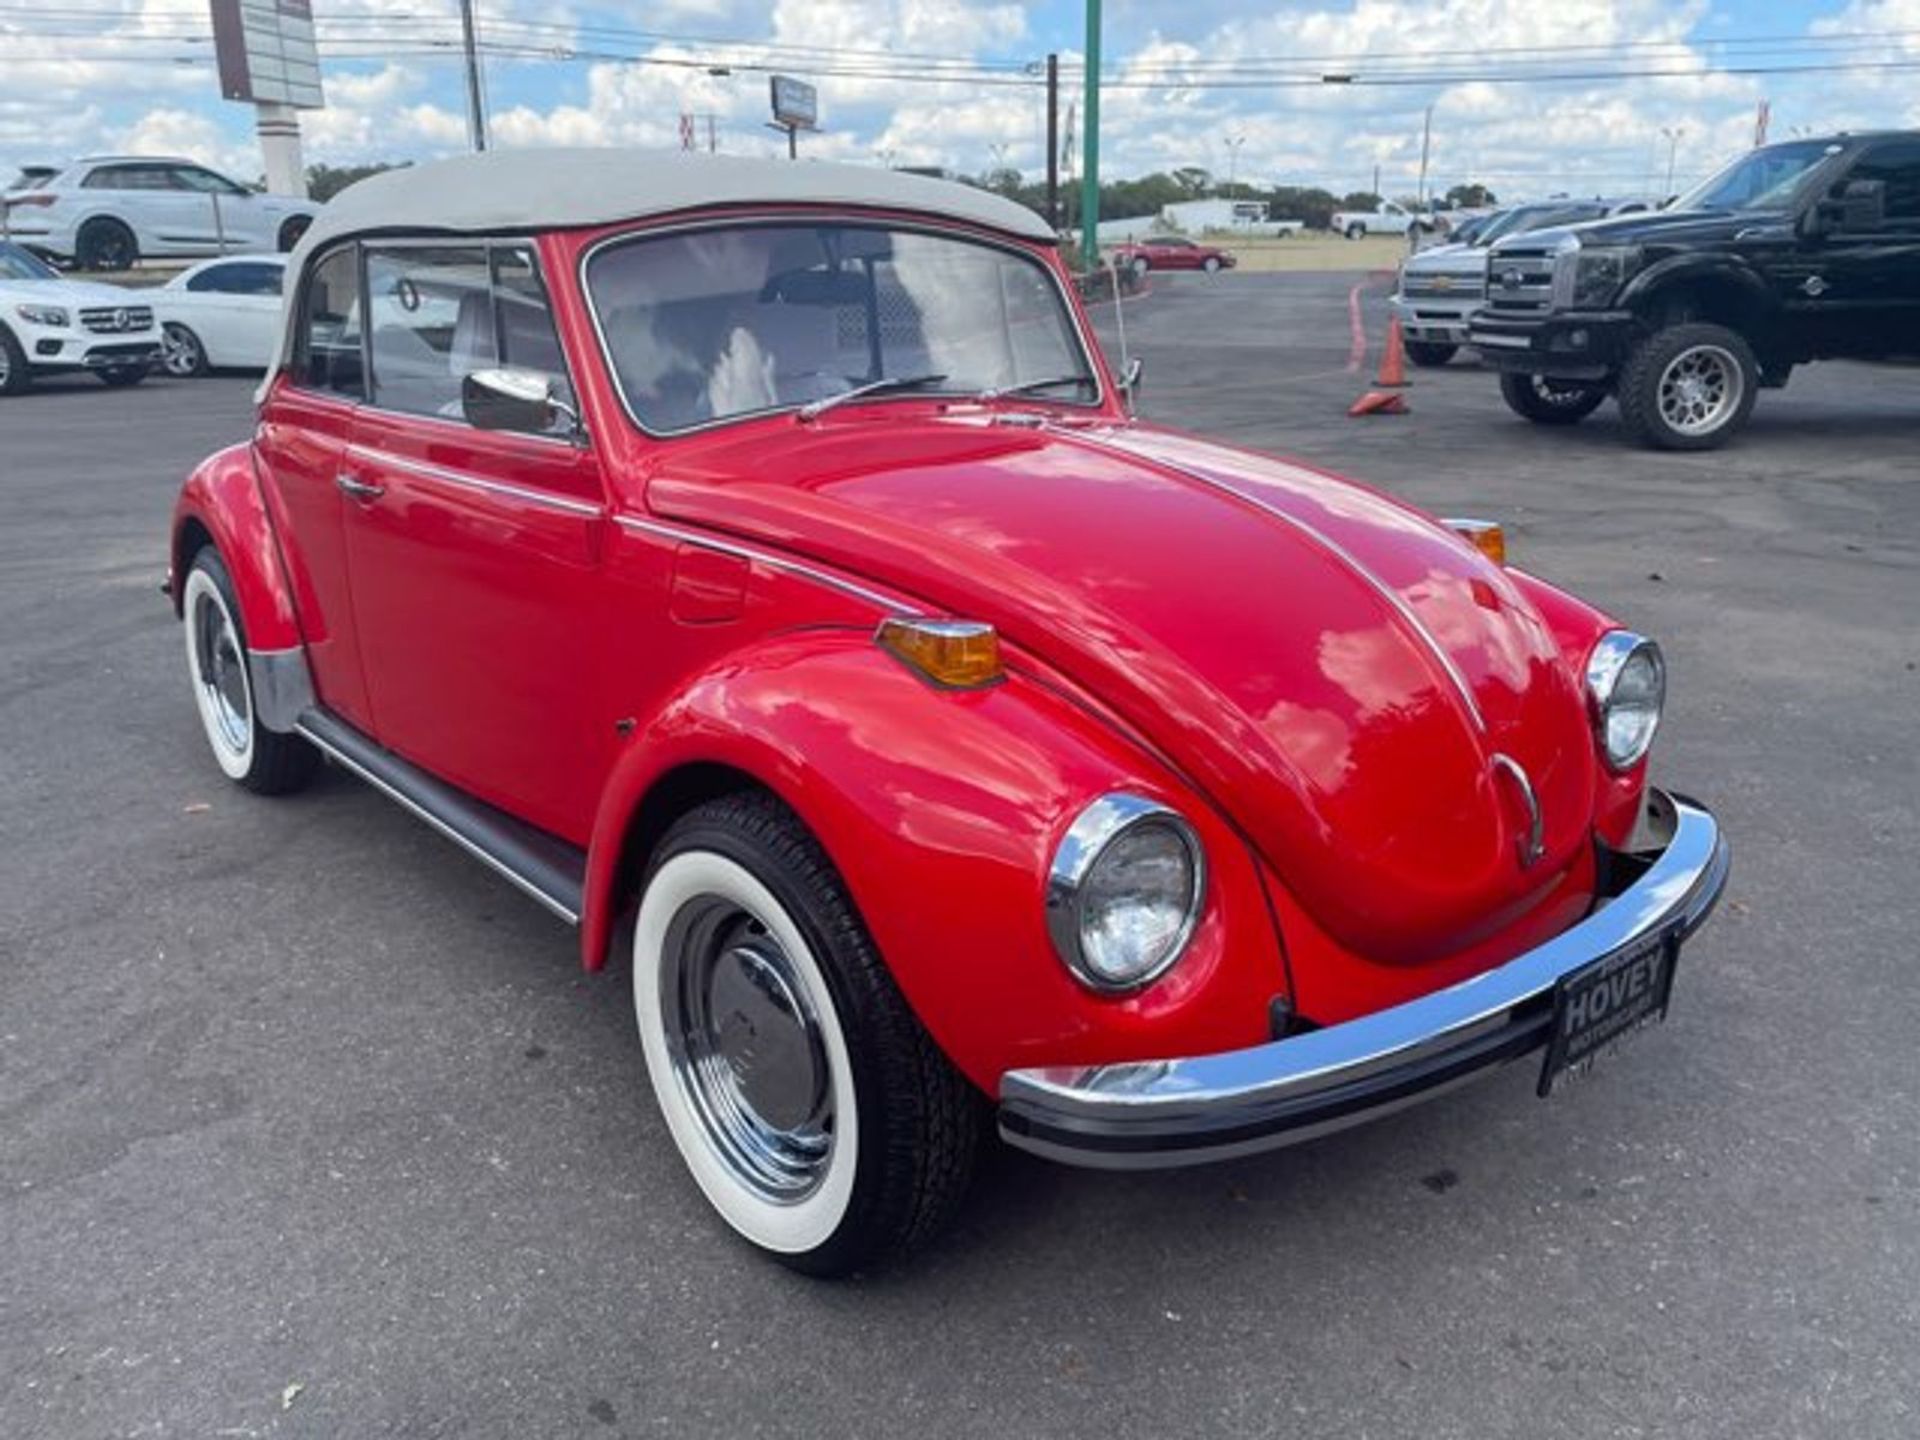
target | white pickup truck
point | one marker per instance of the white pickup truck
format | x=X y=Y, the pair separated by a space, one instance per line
x=1389 y=219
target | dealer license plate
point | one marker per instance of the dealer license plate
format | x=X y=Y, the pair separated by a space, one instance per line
x=1599 y=1005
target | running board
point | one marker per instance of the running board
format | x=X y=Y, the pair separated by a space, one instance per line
x=545 y=866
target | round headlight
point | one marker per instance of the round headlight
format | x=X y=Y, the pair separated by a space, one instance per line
x=1125 y=892
x=1626 y=687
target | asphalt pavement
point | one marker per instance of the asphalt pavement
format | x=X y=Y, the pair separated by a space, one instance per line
x=311 y=1127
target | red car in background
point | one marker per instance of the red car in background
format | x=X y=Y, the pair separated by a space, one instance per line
x=1172 y=252
x=760 y=566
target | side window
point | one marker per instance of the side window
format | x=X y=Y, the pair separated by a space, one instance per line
x=106 y=177
x=192 y=177
x=1898 y=167
x=331 y=323
x=528 y=340
x=431 y=309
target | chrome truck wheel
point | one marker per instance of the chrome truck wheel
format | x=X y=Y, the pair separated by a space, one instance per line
x=1690 y=387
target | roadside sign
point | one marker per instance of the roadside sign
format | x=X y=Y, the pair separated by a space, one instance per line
x=266 y=52
x=796 y=104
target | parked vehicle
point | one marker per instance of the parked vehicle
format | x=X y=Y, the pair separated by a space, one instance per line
x=1389 y=219
x=221 y=314
x=1171 y=252
x=106 y=212
x=49 y=324
x=1807 y=250
x=1440 y=288
x=760 y=560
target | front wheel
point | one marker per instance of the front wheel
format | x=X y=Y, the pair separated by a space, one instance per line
x=252 y=756
x=14 y=374
x=1689 y=387
x=1546 y=401
x=291 y=230
x=1430 y=354
x=1354 y=232
x=1211 y=265
x=181 y=353
x=814 y=1112
x=1141 y=265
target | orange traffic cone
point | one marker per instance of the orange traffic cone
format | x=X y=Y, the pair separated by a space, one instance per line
x=1385 y=397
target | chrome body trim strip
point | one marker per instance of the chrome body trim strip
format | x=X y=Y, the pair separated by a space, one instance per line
x=406 y=802
x=891 y=604
x=1159 y=1113
x=1428 y=640
x=427 y=470
x=282 y=687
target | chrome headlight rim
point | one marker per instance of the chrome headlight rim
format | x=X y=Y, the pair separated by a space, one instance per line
x=1093 y=832
x=1605 y=664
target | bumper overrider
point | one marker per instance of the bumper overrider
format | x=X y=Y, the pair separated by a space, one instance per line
x=1162 y=1113
x=1570 y=345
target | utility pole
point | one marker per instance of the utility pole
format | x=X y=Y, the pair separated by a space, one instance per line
x=476 y=121
x=1090 y=168
x=1426 y=146
x=1673 y=147
x=1053 y=141
x=1233 y=144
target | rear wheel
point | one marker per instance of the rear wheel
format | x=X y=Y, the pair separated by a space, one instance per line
x=14 y=374
x=261 y=760
x=1211 y=264
x=181 y=353
x=1546 y=401
x=814 y=1112
x=105 y=245
x=1354 y=232
x=1430 y=353
x=1141 y=265
x=291 y=231
x=1689 y=387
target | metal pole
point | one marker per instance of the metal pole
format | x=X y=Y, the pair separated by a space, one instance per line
x=1053 y=141
x=1090 y=168
x=1426 y=145
x=793 y=142
x=476 y=121
x=219 y=224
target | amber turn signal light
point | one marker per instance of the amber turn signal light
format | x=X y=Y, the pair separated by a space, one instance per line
x=1489 y=537
x=957 y=654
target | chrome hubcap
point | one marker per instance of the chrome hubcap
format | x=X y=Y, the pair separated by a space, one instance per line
x=1700 y=389
x=223 y=675
x=746 y=1049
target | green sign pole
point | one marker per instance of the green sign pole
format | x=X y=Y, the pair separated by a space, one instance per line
x=1090 y=143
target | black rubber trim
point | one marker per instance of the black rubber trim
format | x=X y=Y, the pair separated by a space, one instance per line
x=545 y=866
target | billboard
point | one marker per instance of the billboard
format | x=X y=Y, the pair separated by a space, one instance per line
x=796 y=104
x=267 y=52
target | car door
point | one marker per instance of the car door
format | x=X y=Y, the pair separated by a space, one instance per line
x=168 y=218
x=232 y=217
x=301 y=442
x=475 y=554
x=1872 y=270
x=235 y=305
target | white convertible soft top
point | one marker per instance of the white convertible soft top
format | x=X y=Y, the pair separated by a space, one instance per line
x=522 y=191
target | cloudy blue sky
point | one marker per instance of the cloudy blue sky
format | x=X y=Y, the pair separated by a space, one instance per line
x=84 y=75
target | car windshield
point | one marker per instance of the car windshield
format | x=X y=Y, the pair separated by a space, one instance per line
x=1523 y=218
x=714 y=324
x=18 y=264
x=1763 y=180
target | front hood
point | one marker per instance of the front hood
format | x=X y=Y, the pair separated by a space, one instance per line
x=1333 y=670
x=70 y=293
x=1676 y=227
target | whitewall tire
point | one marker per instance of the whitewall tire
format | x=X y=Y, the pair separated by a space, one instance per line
x=217 y=664
x=813 y=1111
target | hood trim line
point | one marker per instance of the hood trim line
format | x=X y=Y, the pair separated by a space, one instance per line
x=799 y=568
x=1428 y=640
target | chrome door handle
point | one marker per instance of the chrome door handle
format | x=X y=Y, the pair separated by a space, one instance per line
x=359 y=489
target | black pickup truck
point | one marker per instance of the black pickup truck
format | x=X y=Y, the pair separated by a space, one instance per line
x=1808 y=250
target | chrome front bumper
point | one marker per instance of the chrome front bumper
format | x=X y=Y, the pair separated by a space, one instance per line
x=1161 y=1113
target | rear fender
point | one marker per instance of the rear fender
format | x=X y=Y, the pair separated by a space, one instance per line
x=941 y=811
x=221 y=505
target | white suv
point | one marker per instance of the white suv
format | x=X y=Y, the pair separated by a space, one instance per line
x=51 y=324
x=107 y=211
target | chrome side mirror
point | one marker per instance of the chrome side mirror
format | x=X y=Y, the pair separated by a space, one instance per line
x=510 y=399
x=1130 y=382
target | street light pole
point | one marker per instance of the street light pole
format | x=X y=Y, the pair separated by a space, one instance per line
x=1673 y=147
x=1233 y=144
x=1090 y=166
x=476 y=118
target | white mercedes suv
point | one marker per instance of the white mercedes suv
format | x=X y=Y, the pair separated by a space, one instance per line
x=105 y=212
x=50 y=324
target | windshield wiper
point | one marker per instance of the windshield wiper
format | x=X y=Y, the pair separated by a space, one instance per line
x=1027 y=387
x=885 y=385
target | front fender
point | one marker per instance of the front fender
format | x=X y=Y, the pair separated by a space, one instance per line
x=221 y=505
x=1716 y=270
x=941 y=810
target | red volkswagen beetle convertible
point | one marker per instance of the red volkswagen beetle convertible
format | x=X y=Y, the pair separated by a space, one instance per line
x=759 y=561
